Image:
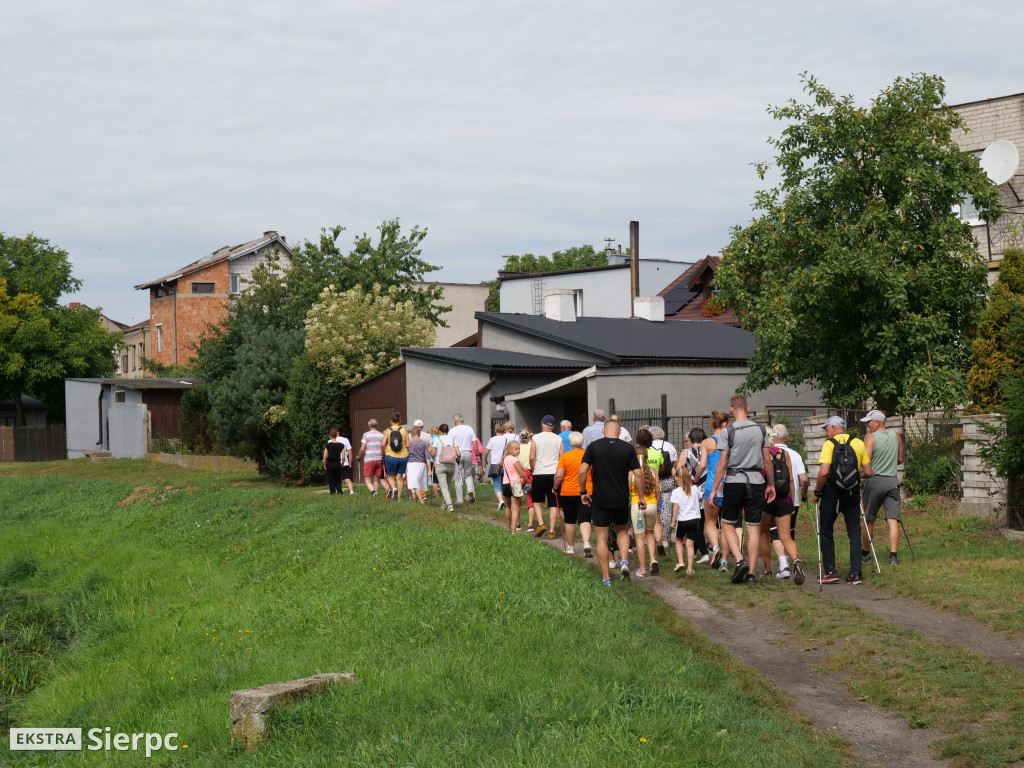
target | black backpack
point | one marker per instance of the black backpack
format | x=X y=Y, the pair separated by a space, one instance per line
x=781 y=471
x=844 y=474
x=665 y=470
x=693 y=461
x=395 y=440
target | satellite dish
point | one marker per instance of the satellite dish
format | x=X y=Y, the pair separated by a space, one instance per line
x=1000 y=160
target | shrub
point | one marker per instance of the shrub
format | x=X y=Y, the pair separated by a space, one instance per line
x=934 y=466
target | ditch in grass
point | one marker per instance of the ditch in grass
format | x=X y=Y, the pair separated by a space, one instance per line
x=471 y=647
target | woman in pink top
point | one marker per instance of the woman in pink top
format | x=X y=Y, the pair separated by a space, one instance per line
x=512 y=474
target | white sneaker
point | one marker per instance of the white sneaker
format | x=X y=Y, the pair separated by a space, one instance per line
x=501 y=505
x=587 y=550
x=704 y=559
x=782 y=574
x=612 y=564
x=570 y=550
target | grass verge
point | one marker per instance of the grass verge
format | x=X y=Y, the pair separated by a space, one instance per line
x=472 y=647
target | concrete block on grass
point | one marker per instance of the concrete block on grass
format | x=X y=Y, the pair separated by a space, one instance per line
x=249 y=707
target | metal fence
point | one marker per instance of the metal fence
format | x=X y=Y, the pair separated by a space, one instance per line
x=32 y=443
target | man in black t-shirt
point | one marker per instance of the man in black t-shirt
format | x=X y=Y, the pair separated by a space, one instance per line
x=611 y=460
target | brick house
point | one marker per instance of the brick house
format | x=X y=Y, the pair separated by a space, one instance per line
x=185 y=302
x=987 y=121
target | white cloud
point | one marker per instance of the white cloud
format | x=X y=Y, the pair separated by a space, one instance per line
x=142 y=137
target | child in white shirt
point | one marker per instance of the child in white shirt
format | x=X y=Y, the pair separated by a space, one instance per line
x=686 y=514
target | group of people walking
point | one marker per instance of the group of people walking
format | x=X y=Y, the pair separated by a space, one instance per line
x=640 y=493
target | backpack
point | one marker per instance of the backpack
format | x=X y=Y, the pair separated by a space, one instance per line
x=843 y=474
x=693 y=461
x=781 y=471
x=448 y=454
x=730 y=432
x=665 y=470
x=395 y=441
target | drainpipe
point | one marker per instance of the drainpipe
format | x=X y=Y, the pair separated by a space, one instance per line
x=479 y=406
x=175 y=310
x=99 y=414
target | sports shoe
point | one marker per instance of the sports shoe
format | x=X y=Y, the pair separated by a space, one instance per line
x=530 y=529
x=828 y=578
x=640 y=575
x=854 y=578
x=451 y=508
x=624 y=570
x=767 y=573
x=894 y=559
x=540 y=529
x=612 y=564
x=587 y=550
x=750 y=580
x=716 y=557
x=865 y=556
x=678 y=568
x=798 y=572
x=655 y=567
x=519 y=529
x=472 y=498
x=551 y=535
x=723 y=565
x=782 y=574
x=704 y=559
x=607 y=582
x=570 y=550
x=742 y=569
x=501 y=505
x=661 y=549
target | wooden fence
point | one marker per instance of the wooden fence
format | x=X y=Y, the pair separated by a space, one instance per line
x=32 y=443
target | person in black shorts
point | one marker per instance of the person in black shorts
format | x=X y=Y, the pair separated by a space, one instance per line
x=746 y=489
x=610 y=461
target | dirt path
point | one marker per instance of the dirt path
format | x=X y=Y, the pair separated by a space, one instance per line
x=876 y=737
x=934 y=623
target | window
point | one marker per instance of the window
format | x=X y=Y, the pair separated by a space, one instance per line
x=577 y=300
x=967 y=212
x=159 y=338
x=118 y=396
x=234 y=283
x=202 y=287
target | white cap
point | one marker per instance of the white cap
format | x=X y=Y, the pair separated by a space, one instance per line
x=418 y=423
x=875 y=415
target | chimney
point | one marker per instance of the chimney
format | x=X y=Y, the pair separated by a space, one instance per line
x=270 y=233
x=634 y=266
x=649 y=308
x=560 y=305
x=620 y=249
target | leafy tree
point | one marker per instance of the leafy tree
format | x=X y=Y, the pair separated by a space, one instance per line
x=575 y=257
x=41 y=341
x=358 y=334
x=999 y=346
x=856 y=276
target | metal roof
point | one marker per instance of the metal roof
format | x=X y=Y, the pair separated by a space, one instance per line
x=487 y=359
x=145 y=383
x=221 y=254
x=635 y=341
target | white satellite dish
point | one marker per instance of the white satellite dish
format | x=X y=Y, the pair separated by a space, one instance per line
x=1000 y=160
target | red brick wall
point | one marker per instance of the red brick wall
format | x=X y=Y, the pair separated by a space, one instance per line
x=194 y=312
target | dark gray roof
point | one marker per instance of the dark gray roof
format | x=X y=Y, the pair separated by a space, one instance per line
x=487 y=359
x=632 y=341
x=146 y=383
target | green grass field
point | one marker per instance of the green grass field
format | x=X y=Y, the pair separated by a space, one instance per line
x=158 y=591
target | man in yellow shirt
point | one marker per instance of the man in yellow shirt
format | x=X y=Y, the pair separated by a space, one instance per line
x=837 y=490
x=396 y=456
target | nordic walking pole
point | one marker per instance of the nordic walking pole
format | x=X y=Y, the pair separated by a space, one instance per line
x=871 y=543
x=817 y=536
x=906 y=538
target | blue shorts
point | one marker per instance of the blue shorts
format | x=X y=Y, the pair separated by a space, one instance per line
x=393 y=466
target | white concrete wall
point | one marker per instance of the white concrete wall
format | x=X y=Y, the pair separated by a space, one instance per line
x=244 y=265
x=83 y=417
x=656 y=274
x=465 y=300
x=605 y=292
x=494 y=337
x=436 y=390
x=984 y=494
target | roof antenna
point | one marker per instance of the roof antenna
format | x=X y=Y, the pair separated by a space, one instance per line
x=608 y=247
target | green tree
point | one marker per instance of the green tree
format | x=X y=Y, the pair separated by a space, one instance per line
x=1004 y=454
x=855 y=276
x=41 y=341
x=575 y=257
x=358 y=334
x=999 y=346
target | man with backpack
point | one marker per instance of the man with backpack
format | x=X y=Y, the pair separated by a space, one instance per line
x=745 y=488
x=837 y=491
x=396 y=456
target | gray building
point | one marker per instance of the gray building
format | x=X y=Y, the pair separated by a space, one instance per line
x=529 y=365
x=122 y=415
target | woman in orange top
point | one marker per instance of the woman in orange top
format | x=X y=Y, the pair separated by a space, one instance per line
x=567 y=486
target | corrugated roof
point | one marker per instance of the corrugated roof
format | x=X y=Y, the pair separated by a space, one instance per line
x=634 y=341
x=221 y=254
x=486 y=359
x=168 y=383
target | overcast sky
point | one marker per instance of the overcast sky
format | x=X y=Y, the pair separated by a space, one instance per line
x=142 y=136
